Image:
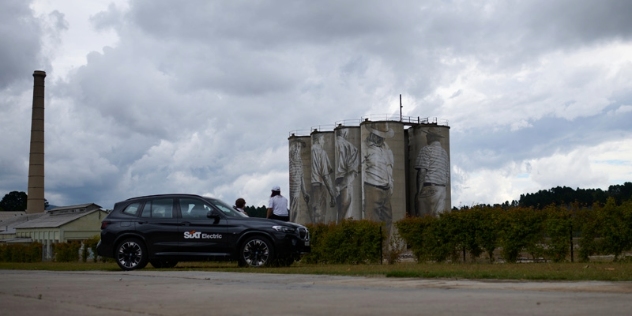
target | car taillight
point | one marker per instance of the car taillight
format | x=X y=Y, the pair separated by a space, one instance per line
x=105 y=224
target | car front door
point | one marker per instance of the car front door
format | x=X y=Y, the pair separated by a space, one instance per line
x=200 y=235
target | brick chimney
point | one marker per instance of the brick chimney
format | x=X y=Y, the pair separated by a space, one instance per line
x=35 y=201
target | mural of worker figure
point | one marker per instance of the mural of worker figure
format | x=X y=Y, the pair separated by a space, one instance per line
x=433 y=175
x=377 y=168
x=297 y=182
x=348 y=162
x=322 y=187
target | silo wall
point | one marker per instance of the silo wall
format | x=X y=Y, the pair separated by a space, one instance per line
x=383 y=171
x=300 y=178
x=347 y=179
x=322 y=202
x=429 y=190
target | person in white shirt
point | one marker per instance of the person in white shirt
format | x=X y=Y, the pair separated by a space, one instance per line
x=277 y=206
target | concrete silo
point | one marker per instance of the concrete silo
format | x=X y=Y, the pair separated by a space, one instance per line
x=300 y=178
x=383 y=171
x=347 y=172
x=322 y=202
x=429 y=172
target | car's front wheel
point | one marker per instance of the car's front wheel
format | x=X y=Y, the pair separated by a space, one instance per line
x=163 y=263
x=256 y=251
x=131 y=254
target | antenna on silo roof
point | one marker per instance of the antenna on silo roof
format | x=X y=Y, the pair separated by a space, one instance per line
x=400 y=108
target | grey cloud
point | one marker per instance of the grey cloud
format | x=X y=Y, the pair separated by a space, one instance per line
x=21 y=48
x=488 y=149
x=197 y=94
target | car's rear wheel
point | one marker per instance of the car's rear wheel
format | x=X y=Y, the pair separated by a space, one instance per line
x=131 y=254
x=255 y=252
x=163 y=263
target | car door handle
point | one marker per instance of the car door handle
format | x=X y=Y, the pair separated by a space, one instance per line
x=142 y=222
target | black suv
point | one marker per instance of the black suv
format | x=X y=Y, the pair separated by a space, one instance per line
x=165 y=229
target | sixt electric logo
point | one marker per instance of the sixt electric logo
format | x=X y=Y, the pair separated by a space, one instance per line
x=199 y=235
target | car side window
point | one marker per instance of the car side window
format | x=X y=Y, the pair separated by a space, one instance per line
x=193 y=209
x=158 y=208
x=131 y=209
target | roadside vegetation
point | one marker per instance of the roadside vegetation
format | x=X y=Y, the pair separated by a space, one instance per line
x=588 y=239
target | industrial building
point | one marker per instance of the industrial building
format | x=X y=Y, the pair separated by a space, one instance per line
x=380 y=170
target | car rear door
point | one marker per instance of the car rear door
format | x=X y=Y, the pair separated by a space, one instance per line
x=159 y=224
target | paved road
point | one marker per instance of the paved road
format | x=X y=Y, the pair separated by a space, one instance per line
x=216 y=293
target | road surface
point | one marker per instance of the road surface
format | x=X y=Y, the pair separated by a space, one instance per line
x=192 y=293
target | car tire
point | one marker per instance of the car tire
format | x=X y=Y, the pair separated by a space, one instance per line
x=131 y=254
x=163 y=263
x=255 y=252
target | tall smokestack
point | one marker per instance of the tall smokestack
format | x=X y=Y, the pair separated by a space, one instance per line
x=35 y=201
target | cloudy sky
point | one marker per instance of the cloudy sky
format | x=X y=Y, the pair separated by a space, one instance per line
x=156 y=96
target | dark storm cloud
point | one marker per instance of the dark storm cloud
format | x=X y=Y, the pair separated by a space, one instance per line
x=20 y=51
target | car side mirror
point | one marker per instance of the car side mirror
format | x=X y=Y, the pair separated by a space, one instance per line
x=214 y=214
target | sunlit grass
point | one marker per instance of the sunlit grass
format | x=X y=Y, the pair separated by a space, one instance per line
x=603 y=271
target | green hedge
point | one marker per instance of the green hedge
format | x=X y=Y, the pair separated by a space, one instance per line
x=539 y=233
x=31 y=252
x=349 y=242
x=67 y=252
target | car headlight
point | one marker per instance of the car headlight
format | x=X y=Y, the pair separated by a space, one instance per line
x=284 y=229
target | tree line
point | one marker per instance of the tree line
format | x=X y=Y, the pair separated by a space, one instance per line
x=560 y=196
x=15 y=201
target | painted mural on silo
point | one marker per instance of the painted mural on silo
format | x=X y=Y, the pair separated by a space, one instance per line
x=300 y=177
x=430 y=158
x=322 y=205
x=383 y=175
x=347 y=172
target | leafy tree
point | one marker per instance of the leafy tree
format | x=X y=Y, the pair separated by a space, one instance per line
x=557 y=226
x=616 y=230
x=14 y=201
x=488 y=228
x=254 y=211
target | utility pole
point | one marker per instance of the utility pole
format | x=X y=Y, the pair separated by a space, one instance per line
x=401 y=118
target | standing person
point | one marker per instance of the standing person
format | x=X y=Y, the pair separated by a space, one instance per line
x=346 y=172
x=277 y=206
x=433 y=174
x=240 y=203
x=322 y=187
x=378 y=174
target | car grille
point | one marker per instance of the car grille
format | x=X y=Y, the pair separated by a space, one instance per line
x=303 y=233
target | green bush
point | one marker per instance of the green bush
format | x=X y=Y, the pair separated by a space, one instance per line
x=348 y=242
x=31 y=252
x=488 y=228
x=557 y=227
x=67 y=252
x=616 y=228
x=412 y=231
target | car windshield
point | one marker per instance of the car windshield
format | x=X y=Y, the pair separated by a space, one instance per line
x=225 y=208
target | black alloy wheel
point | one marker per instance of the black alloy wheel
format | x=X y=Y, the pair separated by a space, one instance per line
x=131 y=254
x=256 y=252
